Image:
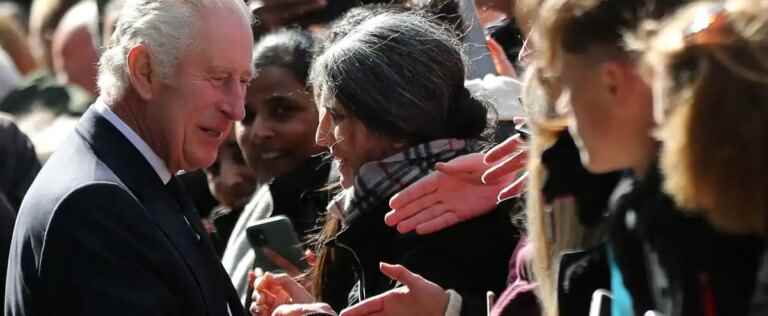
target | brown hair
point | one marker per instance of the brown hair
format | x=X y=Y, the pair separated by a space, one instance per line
x=712 y=93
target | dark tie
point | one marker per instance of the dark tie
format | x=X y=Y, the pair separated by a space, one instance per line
x=176 y=189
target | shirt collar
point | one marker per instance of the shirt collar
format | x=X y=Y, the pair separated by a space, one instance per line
x=154 y=160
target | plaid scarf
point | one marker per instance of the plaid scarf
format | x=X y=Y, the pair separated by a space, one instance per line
x=377 y=181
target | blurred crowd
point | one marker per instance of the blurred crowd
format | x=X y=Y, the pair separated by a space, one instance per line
x=384 y=157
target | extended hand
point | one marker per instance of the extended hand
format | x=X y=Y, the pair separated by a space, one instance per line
x=274 y=290
x=418 y=296
x=303 y=309
x=461 y=189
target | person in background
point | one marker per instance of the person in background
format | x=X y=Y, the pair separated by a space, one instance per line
x=232 y=184
x=272 y=15
x=276 y=137
x=109 y=17
x=14 y=42
x=106 y=227
x=18 y=162
x=18 y=167
x=74 y=52
x=706 y=55
x=652 y=266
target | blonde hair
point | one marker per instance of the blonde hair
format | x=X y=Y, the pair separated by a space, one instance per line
x=712 y=100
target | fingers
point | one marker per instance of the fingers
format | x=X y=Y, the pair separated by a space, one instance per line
x=281 y=262
x=397 y=216
x=471 y=164
x=399 y=273
x=437 y=224
x=510 y=165
x=506 y=148
x=303 y=309
x=427 y=214
x=503 y=65
x=368 y=307
x=515 y=189
x=297 y=292
x=311 y=257
x=423 y=186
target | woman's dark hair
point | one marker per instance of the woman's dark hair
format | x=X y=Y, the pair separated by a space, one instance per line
x=446 y=11
x=400 y=73
x=291 y=49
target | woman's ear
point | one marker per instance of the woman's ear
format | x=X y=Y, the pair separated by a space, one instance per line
x=621 y=83
x=612 y=78
x=140 y=71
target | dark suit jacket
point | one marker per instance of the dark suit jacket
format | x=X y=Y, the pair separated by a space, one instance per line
x=99 y=234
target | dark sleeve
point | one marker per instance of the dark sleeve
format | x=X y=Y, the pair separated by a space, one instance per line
x=101 y=257
x=7 y=216
x=470 y=258
x=19 y=165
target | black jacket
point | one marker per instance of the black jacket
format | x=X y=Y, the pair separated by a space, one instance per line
x=679 y=264
x=470 y=258
x=99 y=234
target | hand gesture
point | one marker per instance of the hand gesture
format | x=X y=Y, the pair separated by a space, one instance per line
x=461 y=189
x=303 y=309
x=274 y=290
x=418 y=296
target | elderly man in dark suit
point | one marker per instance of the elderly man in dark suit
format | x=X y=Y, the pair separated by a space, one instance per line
x=105 y=228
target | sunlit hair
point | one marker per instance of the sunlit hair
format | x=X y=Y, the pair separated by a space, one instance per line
x=593 y=29
x=164 y=26
x=709 y=69
x=391 y=69
x=544 y=128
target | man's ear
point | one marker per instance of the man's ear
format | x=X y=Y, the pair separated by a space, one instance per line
x=140 y=71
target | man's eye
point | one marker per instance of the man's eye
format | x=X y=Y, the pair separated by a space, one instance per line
x=218 y=79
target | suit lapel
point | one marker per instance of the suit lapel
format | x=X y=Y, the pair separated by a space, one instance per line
x=130 y=166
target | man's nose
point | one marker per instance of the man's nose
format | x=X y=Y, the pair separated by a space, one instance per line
x=234 y=106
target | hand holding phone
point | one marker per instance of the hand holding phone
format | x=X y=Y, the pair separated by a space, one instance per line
x=277 y=245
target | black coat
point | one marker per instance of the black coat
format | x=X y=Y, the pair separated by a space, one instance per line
x=99 y=234
x=470 y=258
x=679 y=264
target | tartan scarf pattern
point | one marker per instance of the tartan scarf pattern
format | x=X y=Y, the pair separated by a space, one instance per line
x=377 y=181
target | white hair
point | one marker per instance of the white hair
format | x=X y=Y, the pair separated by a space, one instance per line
x=164 y=26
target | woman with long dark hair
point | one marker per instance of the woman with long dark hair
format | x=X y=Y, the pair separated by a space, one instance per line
x=390 y=88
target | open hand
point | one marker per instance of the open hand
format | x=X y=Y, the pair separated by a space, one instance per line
x=461 y=189
x=418 y=296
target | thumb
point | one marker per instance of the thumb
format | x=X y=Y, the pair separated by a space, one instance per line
x=399 y=273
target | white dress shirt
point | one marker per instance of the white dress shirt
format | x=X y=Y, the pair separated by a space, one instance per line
x=157 y=164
